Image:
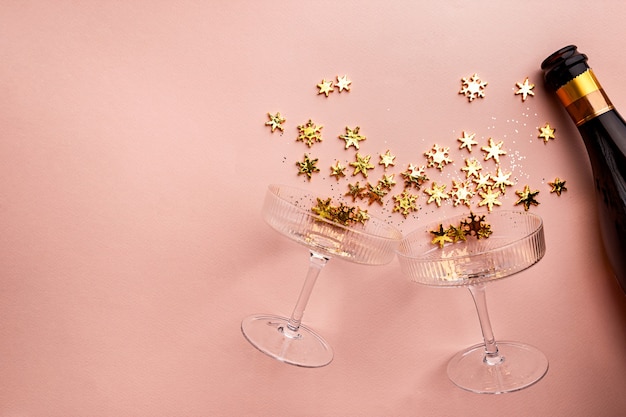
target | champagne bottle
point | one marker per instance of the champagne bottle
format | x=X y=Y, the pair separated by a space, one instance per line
x=604 y=133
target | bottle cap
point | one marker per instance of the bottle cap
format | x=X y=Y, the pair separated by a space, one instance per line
x=562 y=66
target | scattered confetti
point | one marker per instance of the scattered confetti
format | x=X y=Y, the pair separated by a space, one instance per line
x=493 y=150
x=471 y=168
x=438 y=157
x=547 y=133
x=501 y=180
x=461 y=193
x=375 y=193
x=337 y=171
x=362 y=164
x=355 y=191
x=436 y=193
x=342 y=214
x=525 y=89
x=472 y=226
x=441 y=236
x=558 y=186
x=405 y=203
x=276 y=121
x=307 y=166
x=387 y=181
x=473 y=87
x=467 y=140
x=414 y=176
x=309 y=133
x=326 y=87
x=483 y=182
x=527 y=197
x=490 y=198
x=343 y=83
x=386 y=159
x=352 y=137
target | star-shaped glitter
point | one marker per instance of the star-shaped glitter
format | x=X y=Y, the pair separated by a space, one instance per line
x=415 y=176
x=375 y=193
x=483 y=182
x=387 y=181
x=276 y=121
x=386 y=159
x=493 y=150
x=438 y=157
x=471 y=168
x=473 y=87
x=547 y=133
x=405 y=203
x=307 y=166
x=355 y=191
x=527 y=197
x=558 y=186
x=467 y=140
x=309 y=133
x=337 y=171
x=325 y=87
x=456 y=233
x=525 y=89
x=461 y=193
x=440 y=236
x=352 y=137
x=490 y=198
x=362 y=164
x=323 y=208
x=501 y=180
x=436 y=193
x=343 y=83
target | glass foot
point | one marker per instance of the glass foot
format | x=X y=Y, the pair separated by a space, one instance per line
x=271 y=336
x=520 y=366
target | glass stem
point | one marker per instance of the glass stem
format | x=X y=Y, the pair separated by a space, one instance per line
x=316 y=263
x=492 y=356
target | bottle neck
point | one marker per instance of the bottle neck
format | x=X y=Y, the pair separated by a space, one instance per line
x=584 y=98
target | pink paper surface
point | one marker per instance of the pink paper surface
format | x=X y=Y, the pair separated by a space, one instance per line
x=133 y=165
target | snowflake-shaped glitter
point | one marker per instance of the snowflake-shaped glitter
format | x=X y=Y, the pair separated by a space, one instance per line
x=527 y=197
x=473 y=87
x=362 y=164
x=501 y=180
x=436 y=193
x=337 y=171
x=438 y=157
x=356 y=191
x=467 y=140
x=547 y=133
x=558 y=186
x=352 y=137
x=375 y=193
x=415 y=176
x=386 y=159
x=276 y=121
x=309 y=133
x=471 y=168
x=493 y=150
x=461 y=193
x=525 y=89
x=307 y=166
x=343 y=83
x=483 y=182
x=490 y=198
x=326 y=87
x=405 y=203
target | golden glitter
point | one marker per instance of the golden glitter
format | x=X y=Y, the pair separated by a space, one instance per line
x=438 y=157
x=342 y=214
x=461 y=193
x=547 y=133
x=483 y=182
x=405 y=203
x=386 y=159
x=307 y=166
x=525 y=89
x=558 y=186
x=493 y=150
x=501 y=180
x=471 y=168
x=362 y=164
x=440 y=237
x=352 y=137
x=276 y=121
x=309 y=133
x=476 y=226
x=415 y=176
x=337 y=171
x=387 y=181
x=456 y=233
x=343 y=83
x=375 y=193
x=490 y=198
x=473 y=87
x=436 y=193
x=467 y=140
x=527 y=197
x=355 y=191
x=326 y=87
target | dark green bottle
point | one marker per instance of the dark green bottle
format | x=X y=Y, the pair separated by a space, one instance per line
x=604 y=133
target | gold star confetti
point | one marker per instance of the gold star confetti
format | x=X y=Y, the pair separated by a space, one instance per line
x=438 y=157
x=490 y=198
x=387 y=181
x=386 y=159
x=441 y=236
x=307 y=166
x=501 y=180
x=527 y=197
x=471 y=168
x=483 y=182
x=355 y=191
x=405 y=203
x=415 y=176
x=352 y=137
x=558 y=186
x=457 y=234
x=436 y=193
x=493 y=150
x=362 y=164
x=323 y=208
x=325 y=87
x=309 y=133
x=276 y=121
x=375 y=193
x=461 y=193
x=343 y=83
x=337 y=171
x=467 y=140
x=547 y=133
x=473 y=87
x=342 y=214
x=525 y=89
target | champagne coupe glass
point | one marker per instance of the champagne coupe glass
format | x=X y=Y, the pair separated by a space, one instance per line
x=516 y=243
x=288 y=210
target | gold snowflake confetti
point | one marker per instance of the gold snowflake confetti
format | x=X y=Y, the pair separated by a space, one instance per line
x=352 y=137
x=375 y=193
x=473 y=226
x=467 y=140
x=276 y=121
x=490 y=198
x=473 y=87
x=309 y=133
x=525 y=89
x=436 y=193
x=461 y=193
x=307 y=166
x=471 y=168
x=326 y=87
x=493 y=150
x=343 y=83
x=386 y=159
x=337 y=171
x=501 y=180
x=387 y=181
x=362 y=164
x=483 y=182
x=438 y=157
x=457 y=234
x=440 y=236
x=355 y=191
x=527 y=197
x=476 y=226
x=547 y=133
x=342 y=214
x=405 y=203
x=415 y=176
x=558 y=186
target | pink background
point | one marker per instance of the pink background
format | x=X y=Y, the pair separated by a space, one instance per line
x=133 y=164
